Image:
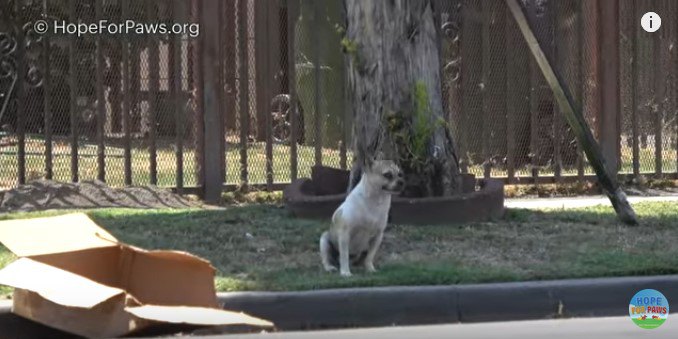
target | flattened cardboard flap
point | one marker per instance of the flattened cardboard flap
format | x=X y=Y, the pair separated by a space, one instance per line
x=169 y=278
x=56 y=285
x=65 y=233
x=195 y=315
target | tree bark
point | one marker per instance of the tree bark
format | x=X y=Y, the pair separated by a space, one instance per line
x=393 y=54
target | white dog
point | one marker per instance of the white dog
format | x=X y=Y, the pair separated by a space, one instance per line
x=358 y=224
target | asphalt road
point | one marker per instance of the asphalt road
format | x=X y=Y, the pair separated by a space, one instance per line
x=598 y=328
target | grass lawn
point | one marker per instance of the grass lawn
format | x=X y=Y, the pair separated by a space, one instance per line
x=649 y=323
x=259 y=247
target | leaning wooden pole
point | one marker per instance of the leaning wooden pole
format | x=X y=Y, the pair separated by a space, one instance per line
x=576 y=120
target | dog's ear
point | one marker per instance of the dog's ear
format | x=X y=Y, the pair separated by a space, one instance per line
x=368 y=162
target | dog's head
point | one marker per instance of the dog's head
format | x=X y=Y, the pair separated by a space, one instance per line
x=384 y=174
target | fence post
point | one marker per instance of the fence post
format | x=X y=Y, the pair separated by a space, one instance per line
x=610 y=124
x=317 y=120
x=73 y=83
x=101 y=105
x=179 y=14
x=154 y=83
x=196 y=86
x=46 y=85
x=212 y=116
x=292 y=15
x=244 y=27
x=21 y=72
x=269 y=39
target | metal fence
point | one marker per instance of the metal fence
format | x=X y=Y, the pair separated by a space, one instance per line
x=507 y=122
x=141 y=108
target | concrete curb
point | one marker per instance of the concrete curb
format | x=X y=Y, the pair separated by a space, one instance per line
x=417 y=305
x=385 y=306
x=15 y=327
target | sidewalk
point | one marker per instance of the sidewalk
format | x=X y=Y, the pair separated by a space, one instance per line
x=587 y=328
x=419 y=305
x=575 y=202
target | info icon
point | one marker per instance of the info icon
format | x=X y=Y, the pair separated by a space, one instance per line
x=651 y=22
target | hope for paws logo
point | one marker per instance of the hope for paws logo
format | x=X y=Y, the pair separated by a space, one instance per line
x=649 y=309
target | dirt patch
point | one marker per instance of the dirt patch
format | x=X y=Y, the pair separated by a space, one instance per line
x=47 y=194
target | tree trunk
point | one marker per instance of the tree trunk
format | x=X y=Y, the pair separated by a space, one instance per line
x=393 y=55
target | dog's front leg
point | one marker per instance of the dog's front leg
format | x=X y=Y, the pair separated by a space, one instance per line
x=344 y=239
x=372 y=252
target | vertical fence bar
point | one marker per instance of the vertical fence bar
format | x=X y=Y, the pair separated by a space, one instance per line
x=212 y=116
x=196 y=59
x=635 y=96
x=513 y=64
x=224 y=52
x=176 y=81
x=345 y=135
x=582 y=82
x=243 y=41
x=292 y=6
x=609 y=86
x=486 y=109
x=438 y=22
x=659 y=92
x=534 y=121
x=21 y=100
x=541 y=14
x=260 y=56
x=673 y=8
x=270 y=80
x=261 y=53
x=101 y=113
x=671 y=110
x=134 y=82
x=317 y=126
x=206 y=87
x=541 y=97
x=73 y=83
x=229 y=38
x=451 y=27
x=591 y=40
x=557 y=124
x=127 y=143
x=229 y=90
x=46 y=85
x=154 y=83
x=470 y=70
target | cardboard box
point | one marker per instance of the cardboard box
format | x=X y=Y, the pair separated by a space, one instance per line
x=75 y=276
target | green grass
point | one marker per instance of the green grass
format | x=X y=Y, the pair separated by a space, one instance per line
x=259 y=247
x=649 y=323
x=5 y=258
